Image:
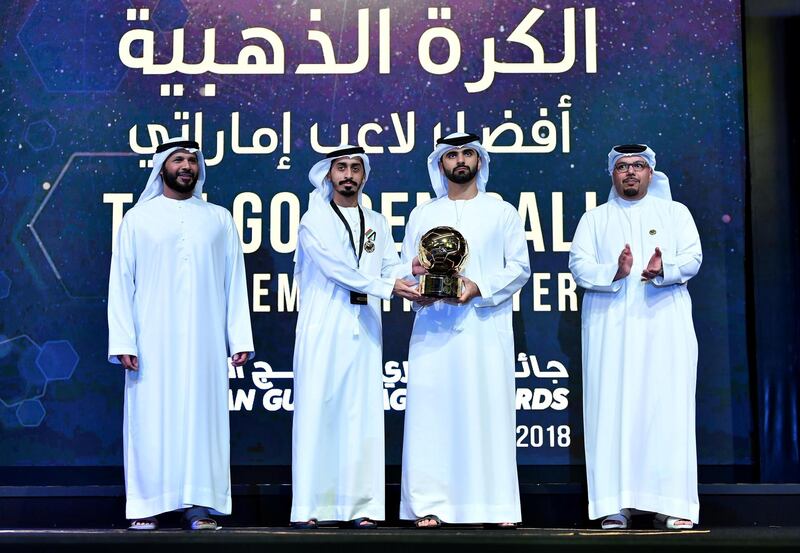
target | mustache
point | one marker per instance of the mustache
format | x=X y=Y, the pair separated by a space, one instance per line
x=346 y=181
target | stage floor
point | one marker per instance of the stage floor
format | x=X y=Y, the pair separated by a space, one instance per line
x=386 y=540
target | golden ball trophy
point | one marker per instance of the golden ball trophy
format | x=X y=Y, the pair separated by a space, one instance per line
x=443 y=251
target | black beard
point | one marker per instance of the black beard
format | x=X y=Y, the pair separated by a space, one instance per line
x=461 y=178
x=344 y=191
x=172 y=182
x=630 y=192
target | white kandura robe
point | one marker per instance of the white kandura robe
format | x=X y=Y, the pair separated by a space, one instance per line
x=177 y=300
x=337 y=432
x=639 y=358
x=459 y=446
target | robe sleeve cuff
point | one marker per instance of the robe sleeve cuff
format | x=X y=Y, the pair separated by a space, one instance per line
x=611 y=272
x=606 y=282
x=383 y=288
x=403 y=271
x=243 y=348
x=485 y=297
x=670 y=275
x=114 y=351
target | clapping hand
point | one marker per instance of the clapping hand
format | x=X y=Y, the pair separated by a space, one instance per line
x=654 y=267
x=624 y=263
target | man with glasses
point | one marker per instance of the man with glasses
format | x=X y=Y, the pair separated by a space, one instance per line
x=634 y=256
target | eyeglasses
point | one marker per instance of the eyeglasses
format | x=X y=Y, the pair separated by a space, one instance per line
x=637 y=166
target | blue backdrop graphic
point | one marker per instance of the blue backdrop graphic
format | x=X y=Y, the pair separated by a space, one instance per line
x=666 y=74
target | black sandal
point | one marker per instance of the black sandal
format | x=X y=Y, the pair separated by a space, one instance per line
x=432 y=518
x=310 y=524
x=197 y=518
x=364 y=523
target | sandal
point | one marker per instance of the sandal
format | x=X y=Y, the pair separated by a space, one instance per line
x=144 y=524
x=310 y=524
x=618 y=521
x=672 y=523
x=429 y=518
x=196 y=518
x=364 y=523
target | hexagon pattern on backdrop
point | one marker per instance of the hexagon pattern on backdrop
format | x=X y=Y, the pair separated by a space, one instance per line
x=26 y=369
x=40 y=135
x=67 y=43
x=31 y=412
x=57 y=360
x=20 y=376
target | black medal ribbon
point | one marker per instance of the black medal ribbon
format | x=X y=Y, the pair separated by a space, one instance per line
x=356 y=298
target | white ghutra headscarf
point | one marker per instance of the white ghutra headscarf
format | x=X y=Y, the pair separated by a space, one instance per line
x=456 y=141
x=155 y=184
x=318 y=175
x=320 y=216
x=659 y=184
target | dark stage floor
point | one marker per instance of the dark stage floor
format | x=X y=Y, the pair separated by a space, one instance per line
x=386 y=540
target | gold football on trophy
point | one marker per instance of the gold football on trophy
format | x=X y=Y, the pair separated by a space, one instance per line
x=443 y=251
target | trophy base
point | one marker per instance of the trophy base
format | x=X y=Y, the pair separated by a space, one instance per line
x=440 y=286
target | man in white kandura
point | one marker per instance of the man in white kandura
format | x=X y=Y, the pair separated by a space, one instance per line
x=459 y=446
x=346 y=263
x=634 y=256
x=177 y=307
